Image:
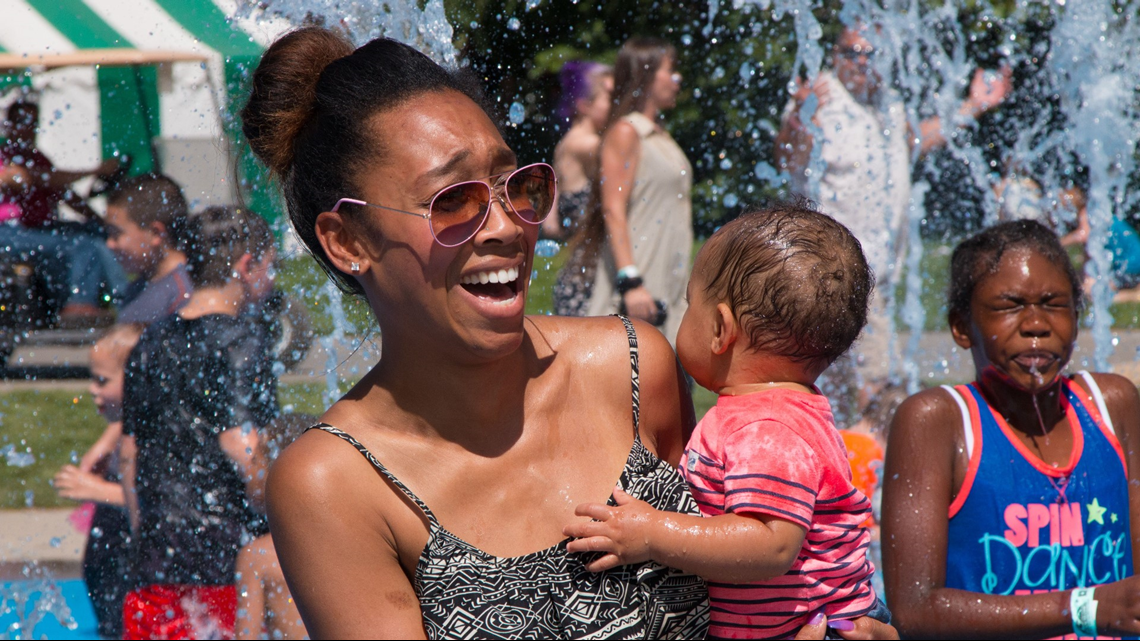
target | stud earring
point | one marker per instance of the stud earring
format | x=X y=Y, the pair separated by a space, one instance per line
x=355 y=268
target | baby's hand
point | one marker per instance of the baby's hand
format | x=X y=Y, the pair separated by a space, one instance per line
x=622 y=532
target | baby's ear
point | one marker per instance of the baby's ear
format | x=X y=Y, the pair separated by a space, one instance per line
x=726 y=330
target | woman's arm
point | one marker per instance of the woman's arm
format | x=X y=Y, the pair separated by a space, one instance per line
x=667 y=416
x=916 y=499
x=621 y=151
x=327 y=512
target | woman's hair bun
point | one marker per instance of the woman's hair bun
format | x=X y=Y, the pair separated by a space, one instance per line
x=284 y=92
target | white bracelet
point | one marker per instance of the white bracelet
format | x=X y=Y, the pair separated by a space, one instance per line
x=629 y=271
x=1082 y=608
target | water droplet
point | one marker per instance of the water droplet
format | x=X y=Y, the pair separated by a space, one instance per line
x=513 y=24
x=517 y=113
x=730 y=200
x=546 y=248
x=55 y=541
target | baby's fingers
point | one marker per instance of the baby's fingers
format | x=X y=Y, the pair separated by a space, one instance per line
x=591 y=544
x=596 y=511
x=607 y=562
x=585 y=529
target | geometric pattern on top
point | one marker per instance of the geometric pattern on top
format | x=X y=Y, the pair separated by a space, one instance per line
x=465 y=593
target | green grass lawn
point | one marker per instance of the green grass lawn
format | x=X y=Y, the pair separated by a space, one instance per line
x=56 y=427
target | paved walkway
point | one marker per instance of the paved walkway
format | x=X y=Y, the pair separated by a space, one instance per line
x=42 y=535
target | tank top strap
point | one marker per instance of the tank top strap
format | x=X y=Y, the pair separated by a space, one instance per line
x=635 y=383
x=345 y=436
x=641 y=124
x=1098 y=399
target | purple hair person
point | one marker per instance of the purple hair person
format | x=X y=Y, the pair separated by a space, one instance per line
x=579 y=80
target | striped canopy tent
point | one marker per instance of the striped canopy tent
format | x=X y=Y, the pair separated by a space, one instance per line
x=160 y=80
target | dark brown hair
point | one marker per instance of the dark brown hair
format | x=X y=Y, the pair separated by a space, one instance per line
x=308 y=113
x=979 y=256
x=219 y=237
x=637 y=63
x=154 y=198
x=795 y=279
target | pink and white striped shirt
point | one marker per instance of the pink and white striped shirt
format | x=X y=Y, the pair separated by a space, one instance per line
x=778 y=453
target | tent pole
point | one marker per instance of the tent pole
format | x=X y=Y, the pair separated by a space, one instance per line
x=156 y=162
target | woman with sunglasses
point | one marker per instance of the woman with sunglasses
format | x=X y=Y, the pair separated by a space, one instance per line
x=431 y=499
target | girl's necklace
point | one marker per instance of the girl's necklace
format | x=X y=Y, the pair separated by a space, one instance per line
x=1063 y=485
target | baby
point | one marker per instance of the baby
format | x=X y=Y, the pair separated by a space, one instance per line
x=775 y=296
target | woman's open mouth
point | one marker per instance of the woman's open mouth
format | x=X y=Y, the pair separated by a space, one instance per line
x=496 y=286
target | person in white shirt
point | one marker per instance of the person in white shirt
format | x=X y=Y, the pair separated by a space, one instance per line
x=865 y=146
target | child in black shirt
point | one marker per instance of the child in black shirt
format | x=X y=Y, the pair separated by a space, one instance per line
x=198 y=386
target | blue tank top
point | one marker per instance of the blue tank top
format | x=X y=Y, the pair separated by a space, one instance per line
x=1020 y=526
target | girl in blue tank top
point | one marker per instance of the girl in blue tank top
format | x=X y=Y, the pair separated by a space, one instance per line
x=1008 y=503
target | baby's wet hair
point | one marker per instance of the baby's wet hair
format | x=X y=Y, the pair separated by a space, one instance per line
x=796 y=280
x=980 y=255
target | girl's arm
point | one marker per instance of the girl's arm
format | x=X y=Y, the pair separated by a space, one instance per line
x=1123 y=403
x=250 y=594
x=917 y=494
x=108 y=442
x=730 y=548
x=328 y=510
x=128 y=459
x=241 y=446
x=73 y=483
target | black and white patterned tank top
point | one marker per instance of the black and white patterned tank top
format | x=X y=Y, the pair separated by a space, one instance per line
x=465 y=593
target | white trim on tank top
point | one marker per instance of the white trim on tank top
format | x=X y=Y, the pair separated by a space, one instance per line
x=967 y=429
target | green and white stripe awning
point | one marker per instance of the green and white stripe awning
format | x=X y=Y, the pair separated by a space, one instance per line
x=182 y=109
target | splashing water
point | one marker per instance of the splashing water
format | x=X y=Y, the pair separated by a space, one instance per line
x=33 y=600
x=423 y=25
x=1087 y=60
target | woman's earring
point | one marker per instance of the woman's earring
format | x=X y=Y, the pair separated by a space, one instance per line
x=355 y=268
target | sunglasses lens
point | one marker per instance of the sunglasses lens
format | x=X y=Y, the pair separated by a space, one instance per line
x=530 y=191
x=458 y=212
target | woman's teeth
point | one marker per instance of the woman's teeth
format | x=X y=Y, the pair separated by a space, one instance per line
x=482 y=278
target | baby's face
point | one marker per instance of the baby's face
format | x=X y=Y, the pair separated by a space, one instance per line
x=698 y=329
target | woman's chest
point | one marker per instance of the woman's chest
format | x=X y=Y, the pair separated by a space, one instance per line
x=506 y=503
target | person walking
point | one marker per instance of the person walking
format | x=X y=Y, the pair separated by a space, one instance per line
x=642 y=227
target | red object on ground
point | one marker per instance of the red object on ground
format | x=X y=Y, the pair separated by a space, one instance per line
x=180 y=612
x=866 y=458
x=80 y=518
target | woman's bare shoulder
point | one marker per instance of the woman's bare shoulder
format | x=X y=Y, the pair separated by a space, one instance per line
x=321 y=472
x=593 y=343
